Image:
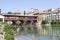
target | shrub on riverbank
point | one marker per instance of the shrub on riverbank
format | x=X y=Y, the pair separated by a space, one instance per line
x=55 y=22
x=9 y=31
x=9 y=37
x=44 y=21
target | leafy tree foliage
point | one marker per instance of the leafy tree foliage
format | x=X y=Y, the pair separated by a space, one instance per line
x=9 y=31
x=55 y=22
x=9 y=13
x=44 y=22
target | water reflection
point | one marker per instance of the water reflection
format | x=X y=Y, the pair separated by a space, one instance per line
x=46 y=33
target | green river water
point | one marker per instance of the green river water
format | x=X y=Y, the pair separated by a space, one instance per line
x=47 y=33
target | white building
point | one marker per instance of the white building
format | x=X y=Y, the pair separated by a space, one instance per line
x=1 y=18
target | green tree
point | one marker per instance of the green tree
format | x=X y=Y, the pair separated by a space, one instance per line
x=9 y=13
x=9 y=37
x=9 y=31
x=53 y=22
x=44 y=21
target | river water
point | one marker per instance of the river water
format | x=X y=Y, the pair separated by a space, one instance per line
x=47 y=33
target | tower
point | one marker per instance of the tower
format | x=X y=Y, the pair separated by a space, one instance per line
x=0 y=11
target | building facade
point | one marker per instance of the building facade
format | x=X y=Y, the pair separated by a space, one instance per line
x=31 y=17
